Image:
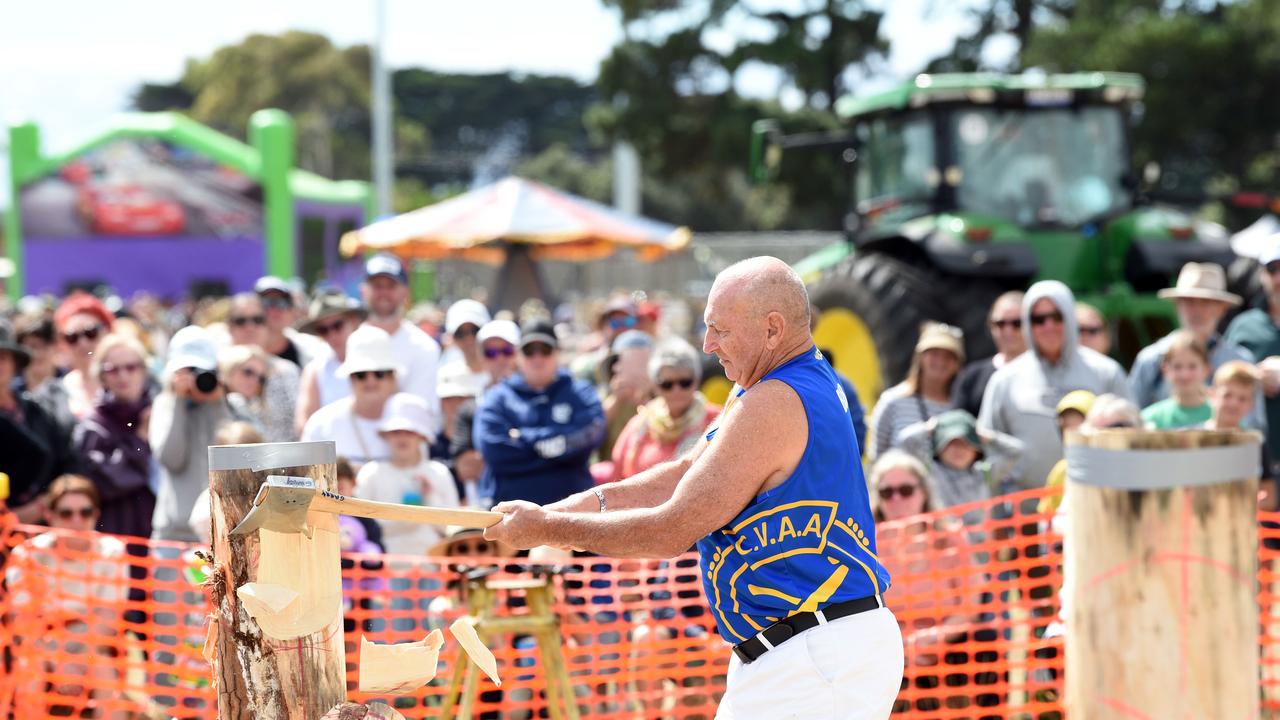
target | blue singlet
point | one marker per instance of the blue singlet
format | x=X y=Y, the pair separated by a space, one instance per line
x=808 y=542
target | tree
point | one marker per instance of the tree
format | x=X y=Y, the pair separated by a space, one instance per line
x=1212 y=106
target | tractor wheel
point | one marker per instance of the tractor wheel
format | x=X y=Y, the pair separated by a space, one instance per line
x=870 y=310
x=965 y=303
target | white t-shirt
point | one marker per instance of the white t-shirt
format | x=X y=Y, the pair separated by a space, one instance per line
x=385 y=482
x=332 y=387
x=356 y=438
x=420 y=356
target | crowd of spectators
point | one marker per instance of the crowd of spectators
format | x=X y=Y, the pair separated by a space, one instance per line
x=465 y=405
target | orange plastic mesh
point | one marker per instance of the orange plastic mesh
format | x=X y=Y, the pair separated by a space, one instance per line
x=975 y=589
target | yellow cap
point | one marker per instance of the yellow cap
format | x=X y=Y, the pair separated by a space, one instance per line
x=1079 y=400
x=4 y=486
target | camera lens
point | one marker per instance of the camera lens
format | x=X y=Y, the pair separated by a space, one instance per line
x=206 y=381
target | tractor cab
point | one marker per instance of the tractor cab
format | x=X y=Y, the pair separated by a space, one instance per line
x=967 y=185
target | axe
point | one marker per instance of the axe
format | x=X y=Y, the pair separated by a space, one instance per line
x=283 y=501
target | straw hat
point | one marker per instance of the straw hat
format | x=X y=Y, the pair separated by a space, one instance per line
x=940 y=336
x=454 y=535
x=369 y=348
x=1205 y=281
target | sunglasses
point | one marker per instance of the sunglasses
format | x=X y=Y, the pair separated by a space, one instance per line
x=126 y=368
x=622 y=322
x=1092 y=330
x=324 y=330
x=495 y=353
x=684 y=383
x=379 y=374
x=466 y=331
x=903 y=491
x=1015 y=324
x=1273 y=267
x=68 y=513
x=277 y=303
x=249 y=320
x=90 y=334
x=536 y=350
x=1039 y=320
x=251 y=373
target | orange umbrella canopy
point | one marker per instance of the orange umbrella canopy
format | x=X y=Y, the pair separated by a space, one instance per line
x=476 y=225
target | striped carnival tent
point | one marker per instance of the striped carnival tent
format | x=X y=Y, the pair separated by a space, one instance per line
x=485 y=224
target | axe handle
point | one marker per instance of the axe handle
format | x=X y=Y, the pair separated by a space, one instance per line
x=342 y=505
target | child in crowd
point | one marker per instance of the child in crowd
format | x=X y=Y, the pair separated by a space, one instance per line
x=1231 y=397
x=1185 y=367
x=409 y=477
x=965 y=463
x=359 y=534
x=1072 y=409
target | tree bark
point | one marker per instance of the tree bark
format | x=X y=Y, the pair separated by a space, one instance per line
x=258 y=676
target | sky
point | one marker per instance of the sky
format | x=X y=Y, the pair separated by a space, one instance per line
x=69 y=65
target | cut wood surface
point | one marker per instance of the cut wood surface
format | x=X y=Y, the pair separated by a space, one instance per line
x=258 y=676
x=1160 y=590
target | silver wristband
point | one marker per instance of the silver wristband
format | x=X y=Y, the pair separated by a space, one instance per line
x=600 y=496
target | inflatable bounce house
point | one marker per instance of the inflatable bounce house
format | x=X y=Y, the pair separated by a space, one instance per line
x=162 y=204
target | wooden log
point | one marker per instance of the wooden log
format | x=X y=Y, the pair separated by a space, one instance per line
x=259 y=676
x=1160 y=571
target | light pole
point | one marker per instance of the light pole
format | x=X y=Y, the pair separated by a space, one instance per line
x=383 y=153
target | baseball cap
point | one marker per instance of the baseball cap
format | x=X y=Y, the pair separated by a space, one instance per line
x=955 y=425
x=456 y=380
x=270 y=283
x=631 y=340
x=463 y=312
x=500 y=329
x=385 y=264
x=940 y=336
x=618 y=303
x=1079 y=400
x=192 y=347
x=538 y=331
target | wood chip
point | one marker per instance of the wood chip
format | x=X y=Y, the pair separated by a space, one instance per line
x=464 y=631
x=400 y=668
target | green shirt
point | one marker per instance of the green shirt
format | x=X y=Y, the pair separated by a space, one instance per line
x=1256 y=332
x=1169 y=415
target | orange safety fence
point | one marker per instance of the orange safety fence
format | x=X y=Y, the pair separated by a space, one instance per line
x=99 y=626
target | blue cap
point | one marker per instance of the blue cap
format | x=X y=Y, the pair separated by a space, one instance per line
x=384 y=264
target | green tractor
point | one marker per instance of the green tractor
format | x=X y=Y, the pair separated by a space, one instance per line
x=967 y=185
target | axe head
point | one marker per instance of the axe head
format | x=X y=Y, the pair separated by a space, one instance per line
x=281 y=505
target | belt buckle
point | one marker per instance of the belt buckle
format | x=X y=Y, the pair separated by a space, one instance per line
x=742 y=654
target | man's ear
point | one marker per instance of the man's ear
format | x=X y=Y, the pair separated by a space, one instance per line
x=775 y=329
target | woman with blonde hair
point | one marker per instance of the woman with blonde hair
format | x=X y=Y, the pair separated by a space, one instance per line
x=112 y=439
x=925 y=392
x=246 y=372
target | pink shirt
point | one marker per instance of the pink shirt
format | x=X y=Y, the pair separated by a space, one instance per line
x=636 y=450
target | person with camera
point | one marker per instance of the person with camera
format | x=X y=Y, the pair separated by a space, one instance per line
x=184 y=419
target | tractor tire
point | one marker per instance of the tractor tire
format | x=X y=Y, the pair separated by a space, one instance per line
x=870 y=311
x=966 y=303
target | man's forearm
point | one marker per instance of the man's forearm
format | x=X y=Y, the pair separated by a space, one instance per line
x=643 y=490
x=624 y=534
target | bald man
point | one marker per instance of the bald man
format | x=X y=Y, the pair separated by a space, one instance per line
x=774 y=498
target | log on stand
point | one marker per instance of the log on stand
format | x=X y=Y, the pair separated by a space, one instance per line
x=259 y=676
x=1160 y=568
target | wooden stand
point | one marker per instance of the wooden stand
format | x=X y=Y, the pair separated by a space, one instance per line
x=1161 y=561
x=541 y=622
x=257 y=676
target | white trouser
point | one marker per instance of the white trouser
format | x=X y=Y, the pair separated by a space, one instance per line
x=849 y=669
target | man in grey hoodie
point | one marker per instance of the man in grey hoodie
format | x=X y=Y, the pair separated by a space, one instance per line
x=1022 y=396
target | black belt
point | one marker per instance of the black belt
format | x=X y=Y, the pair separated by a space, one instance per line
x=771 y=637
